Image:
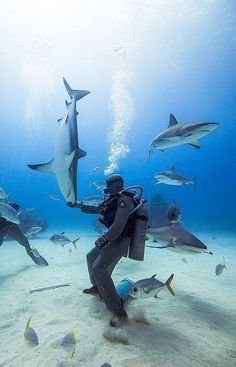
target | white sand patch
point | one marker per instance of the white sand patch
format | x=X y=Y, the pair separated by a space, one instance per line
x=195 y=328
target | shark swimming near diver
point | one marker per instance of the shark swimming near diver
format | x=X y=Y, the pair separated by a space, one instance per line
x=177 y=239
x=178 y=134
x=67 y=151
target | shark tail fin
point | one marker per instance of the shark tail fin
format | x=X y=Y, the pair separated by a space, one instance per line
x=168 y=282
x=75 y=94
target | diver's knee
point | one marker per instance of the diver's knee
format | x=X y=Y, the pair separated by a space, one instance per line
x=97 y=270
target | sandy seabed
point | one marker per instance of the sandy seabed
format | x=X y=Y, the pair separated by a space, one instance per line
x=195 y=328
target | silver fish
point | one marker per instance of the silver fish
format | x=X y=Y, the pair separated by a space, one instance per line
x=220 y=267
x=150 y=287
x=93 y=199
x=69 y=342
x=60 y=239
x=100 y=185
x=53 y=197
x=33 y=230
x=30 y=335
x=9 y=213
x=95 y=169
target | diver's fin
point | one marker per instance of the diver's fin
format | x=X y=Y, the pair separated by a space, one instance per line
x=172 y=121
x=75 y=94
x=167 y=283
x=195 y=144
x=44 y=167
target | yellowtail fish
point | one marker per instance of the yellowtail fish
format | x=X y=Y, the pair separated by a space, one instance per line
x=69 y=342
x=150 y=287
x=220 y=267
x=30 y=335
x=60 y=239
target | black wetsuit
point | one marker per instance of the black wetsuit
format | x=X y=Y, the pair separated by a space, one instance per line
x=101 y=262
x=13 y=230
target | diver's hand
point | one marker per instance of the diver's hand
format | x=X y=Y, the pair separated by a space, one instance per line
x=101 y=242
x=77 y=204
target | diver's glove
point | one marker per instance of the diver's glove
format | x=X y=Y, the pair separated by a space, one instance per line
x=101 y=242
x=77 y=204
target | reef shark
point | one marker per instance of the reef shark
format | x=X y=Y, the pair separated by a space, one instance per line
x=176 y=238
x=67 y=151
x=178 y=134
x=171 y=177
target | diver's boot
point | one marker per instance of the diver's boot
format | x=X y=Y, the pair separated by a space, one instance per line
x=119 y=318
x=37 y=258
x=91 y=290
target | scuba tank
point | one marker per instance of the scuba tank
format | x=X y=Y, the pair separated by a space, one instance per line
x=137 y=244
x=124 y=288
x=140 y=220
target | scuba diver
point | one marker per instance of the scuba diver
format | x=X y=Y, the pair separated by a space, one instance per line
x=126 y=219
x=13 y=230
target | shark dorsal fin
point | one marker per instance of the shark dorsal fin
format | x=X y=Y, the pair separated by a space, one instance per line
x=172 y=121
x=62 y=232
x=173 y=168
x=153 y=276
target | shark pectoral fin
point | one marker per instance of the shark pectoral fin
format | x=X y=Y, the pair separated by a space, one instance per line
x=45 y=167
x=195 y=144
x=80 y=153
x=69 y=158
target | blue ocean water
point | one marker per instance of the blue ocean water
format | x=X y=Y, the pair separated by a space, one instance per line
x=141 y=62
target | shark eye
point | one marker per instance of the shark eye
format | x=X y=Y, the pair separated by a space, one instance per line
x=135 y=289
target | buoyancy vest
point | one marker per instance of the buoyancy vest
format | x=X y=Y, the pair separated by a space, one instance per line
x=109 y=209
